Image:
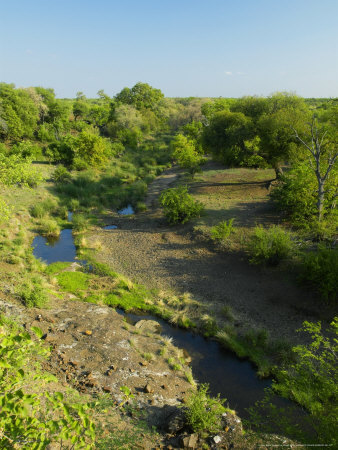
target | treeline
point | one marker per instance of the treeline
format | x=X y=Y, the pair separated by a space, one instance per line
x=282 y=131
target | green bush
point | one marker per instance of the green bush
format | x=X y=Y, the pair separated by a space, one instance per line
x=61 y=175
x=42 y=209
x=309 y=381
x=270 y=246
x=33 y=294
x=222 y=230
x=80 y=222
x=179 y=206
x=204 y=413
x=49 y=228
x=17 y=170
x=5 y=211
x=320 y=269
x=296 y=194
x=31 y=417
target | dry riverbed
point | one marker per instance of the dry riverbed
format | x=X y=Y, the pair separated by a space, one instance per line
x=177 y=259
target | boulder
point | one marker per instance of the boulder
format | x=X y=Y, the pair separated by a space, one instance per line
x=148 y=326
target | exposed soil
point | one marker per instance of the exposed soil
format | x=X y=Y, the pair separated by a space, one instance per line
x=147 y=250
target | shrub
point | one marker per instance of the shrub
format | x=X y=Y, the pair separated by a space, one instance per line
x=30 y=415
x=320 y=269
x=80 y=222
x=204 y=413
x=41 y=209
x=179 y=206
x=5 y=211
x=310 y=381
x=49 y=228
x=16 y=170
x=61 y=175
x=222 y=230
x=33 y=293
x=270 y=246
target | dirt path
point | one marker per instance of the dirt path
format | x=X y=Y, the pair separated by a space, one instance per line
x=147 y=250
x=162 y=182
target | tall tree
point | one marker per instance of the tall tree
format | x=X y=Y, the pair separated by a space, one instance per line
x=322 y=147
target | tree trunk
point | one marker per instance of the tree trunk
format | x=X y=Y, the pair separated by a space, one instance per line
x=320 y=201
x=278 y=169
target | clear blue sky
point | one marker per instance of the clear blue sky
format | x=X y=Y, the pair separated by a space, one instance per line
x=212 y=48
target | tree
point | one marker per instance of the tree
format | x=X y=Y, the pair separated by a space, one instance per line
x=323 y=154
x=19 y=113
x=142 y=96
x=80 y=107
x=186 y=154
x=278 y=143
x=225 y=136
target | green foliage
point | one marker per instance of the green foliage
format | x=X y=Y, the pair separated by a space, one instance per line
x=222 y=230
x=320 y=269
x=73 y=282
x=270 y=246
x=296 y=193
x=179 y=206
x=142 y=96
x=90 y=150
x=17 y=170
x=310 y=381
x=184 y=151
x=44 y=208
x=61 y=175
x=20 y=112
x=33 y=293
x=49 y=227
x=226 y=135
x=204 y=413
x=56 y=267
x=80 y=222
x=32 y=418
x=5 y=211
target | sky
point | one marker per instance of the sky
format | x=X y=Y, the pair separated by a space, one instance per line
x=209 y=48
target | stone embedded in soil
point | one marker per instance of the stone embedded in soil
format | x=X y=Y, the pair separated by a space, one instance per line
x=148 y=326
x=189 y=441
x=88 y=332
x=109 y=360
x=148 y=389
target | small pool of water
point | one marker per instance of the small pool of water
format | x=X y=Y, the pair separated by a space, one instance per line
x=110 y=227
x=126 y=211
x=57 y=249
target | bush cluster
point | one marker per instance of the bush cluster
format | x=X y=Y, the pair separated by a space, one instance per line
x=320 y=269
x=179 y=206
x=270 y=246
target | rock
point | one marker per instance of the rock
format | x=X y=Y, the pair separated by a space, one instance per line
x=217 y=439
x=148 y=326
x=144 y=363
x=88 y=332
x=176 y=421
x=189 y=441
x=38 y=317
x=106 y=389
x=148 y=389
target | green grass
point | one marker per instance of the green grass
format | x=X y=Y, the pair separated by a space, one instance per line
x=73 y=282
x=56 y=267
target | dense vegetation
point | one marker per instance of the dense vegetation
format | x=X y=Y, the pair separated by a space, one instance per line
x=104 y=152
